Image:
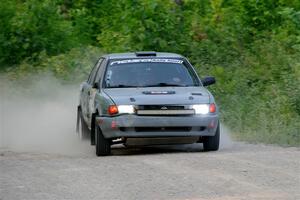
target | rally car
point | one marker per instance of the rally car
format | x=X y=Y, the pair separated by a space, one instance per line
x=147 y=98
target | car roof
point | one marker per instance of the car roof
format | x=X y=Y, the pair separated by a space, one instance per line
x=131 y=55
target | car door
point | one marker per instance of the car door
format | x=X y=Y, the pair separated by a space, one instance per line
x=92 y=91
x=86 y=89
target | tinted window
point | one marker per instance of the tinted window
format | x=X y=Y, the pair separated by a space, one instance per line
x=100 y=70
x=166 y=72
x=94 y=72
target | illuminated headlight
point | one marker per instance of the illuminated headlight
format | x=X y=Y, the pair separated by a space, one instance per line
x=201 y=108
x=126 y=109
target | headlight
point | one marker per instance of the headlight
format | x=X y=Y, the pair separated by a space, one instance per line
x=201 y=108
x=129 y=109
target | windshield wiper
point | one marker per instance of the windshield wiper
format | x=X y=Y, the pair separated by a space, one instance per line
x=165 y=85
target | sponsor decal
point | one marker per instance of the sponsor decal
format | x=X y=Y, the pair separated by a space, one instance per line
x=152 y=60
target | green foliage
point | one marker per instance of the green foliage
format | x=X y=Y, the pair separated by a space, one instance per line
x=260 y=101
x=129 y=25
x=251 y=46
x=72 y=66
x=31 y=27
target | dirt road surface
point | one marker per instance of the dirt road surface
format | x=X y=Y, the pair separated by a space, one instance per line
x=240 y=171
x=41 y=159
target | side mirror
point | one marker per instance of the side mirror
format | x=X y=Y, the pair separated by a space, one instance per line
x=96 y=85
x=209 y=80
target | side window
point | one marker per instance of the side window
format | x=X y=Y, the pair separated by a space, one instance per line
x=92 y=74
x=94 y=71
x=100 y=70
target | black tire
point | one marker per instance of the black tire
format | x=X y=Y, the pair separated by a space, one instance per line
x=102 y=144
x=83 y=130
x=93 y=125
x=211 y=143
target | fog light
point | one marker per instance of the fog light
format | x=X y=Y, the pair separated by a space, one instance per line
x=211 y=124
x=113 y=124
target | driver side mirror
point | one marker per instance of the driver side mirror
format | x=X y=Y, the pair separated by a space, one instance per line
x=96 y=85
x=209 y=80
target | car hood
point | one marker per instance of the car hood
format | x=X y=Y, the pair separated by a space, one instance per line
x=158 y=95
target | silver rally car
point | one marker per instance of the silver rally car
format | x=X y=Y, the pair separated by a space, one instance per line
x=147 y=98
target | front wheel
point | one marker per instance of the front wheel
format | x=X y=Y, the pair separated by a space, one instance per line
x=102 y=144
x=211 y=143
x=82 y=128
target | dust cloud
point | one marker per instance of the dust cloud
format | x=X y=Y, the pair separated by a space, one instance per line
x=40 y=117
x=226 y=141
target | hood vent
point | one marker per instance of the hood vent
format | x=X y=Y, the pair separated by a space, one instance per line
x=197 y=93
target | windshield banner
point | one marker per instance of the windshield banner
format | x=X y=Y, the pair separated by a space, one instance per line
x=152 y=60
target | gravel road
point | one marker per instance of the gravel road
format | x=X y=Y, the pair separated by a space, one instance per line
x=240 y=171
x=41 y=159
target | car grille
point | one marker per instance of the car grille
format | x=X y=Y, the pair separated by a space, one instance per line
x=160 y=107
x=163 y=110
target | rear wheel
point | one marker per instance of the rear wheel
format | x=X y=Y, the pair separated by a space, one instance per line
x=102 y=144
x=211 y=143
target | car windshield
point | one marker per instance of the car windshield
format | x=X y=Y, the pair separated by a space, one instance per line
x=149 y=73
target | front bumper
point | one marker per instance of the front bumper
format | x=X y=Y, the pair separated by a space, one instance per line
x=129 y=126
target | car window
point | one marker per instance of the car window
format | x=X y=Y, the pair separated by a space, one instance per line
x=100 y=70
x=94 y=72
x=149 y=73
